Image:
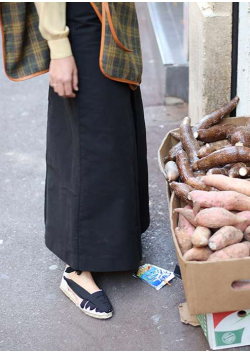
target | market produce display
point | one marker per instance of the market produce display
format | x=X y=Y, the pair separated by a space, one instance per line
x=186 y=172
x=198 y=254
x=224 y=199
x=200 y=236
x=222 y=157
x=172 y=172
x=239 y=250
x=211 y=147
x=181 y=191
x=208 y=170
x=217 y=115
x=226 y=236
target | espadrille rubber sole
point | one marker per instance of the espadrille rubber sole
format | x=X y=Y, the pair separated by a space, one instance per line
x=92 y=313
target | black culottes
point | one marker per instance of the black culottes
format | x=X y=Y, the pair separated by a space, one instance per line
x=96 y=190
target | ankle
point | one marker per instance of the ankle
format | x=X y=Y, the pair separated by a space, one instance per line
x=86 y=275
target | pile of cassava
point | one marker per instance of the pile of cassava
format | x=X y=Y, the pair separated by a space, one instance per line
x=211 y=182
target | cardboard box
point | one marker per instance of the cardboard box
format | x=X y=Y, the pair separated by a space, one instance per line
x=223 y=330
x=168 y=142
x=208 y=285
x=226 y=329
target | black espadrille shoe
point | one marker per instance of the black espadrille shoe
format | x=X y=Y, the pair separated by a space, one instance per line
x=95 y=305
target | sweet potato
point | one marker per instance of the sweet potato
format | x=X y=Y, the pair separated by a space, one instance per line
x=223 y=157
x=218 y=114
x=226 y=236
x=197 y=254
x=222 y=199
x=239 y=250
x=172 y=172
x=189 y=143
x=184 y=240
x=188 y=214
x=242 y=226
x=247 y=233
x=248 y=244
x=200 y=236
x=214 y=218
x=181 y=191
x=225 y=183
x=196 y=208
x=183 y=223
x=215 y=133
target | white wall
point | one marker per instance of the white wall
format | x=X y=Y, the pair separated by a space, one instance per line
x=210 y=48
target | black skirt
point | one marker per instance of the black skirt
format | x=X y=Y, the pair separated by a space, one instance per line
x=96 y=192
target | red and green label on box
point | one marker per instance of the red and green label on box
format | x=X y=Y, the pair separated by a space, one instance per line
x=226 y=329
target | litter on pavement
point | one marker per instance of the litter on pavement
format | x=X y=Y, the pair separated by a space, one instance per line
x=154 y=276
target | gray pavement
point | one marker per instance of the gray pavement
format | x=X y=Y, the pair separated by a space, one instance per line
x=34 y=313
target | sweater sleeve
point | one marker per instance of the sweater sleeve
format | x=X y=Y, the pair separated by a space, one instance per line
x=52 y=25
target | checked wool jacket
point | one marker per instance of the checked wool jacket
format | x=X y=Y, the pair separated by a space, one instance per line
x=26 y=53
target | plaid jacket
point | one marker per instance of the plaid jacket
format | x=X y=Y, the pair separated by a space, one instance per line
x=26 y=53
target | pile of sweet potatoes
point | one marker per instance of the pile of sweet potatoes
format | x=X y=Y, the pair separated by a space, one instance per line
x=214 y=222
x=215 y=225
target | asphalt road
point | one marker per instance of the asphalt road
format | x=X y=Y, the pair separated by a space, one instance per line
x=34 y=313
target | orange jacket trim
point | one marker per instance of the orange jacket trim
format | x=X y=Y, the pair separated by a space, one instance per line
x=113 y=29
x=102 y=19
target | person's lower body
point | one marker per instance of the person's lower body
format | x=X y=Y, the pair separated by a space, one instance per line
x=96 y=193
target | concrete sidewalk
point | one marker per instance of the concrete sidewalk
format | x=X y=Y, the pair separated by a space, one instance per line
x=35 y=314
